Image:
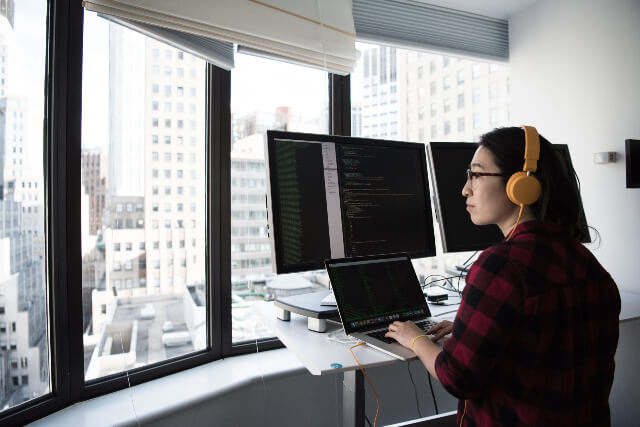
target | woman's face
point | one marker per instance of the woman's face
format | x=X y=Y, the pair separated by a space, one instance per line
x=487 y=201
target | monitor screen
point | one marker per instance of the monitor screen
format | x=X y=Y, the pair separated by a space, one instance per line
x=448 y=162
x=632 y=160
x=336 y=197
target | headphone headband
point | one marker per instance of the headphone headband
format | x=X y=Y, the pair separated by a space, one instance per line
x=531 y=149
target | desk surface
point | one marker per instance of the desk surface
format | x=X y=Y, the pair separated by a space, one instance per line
x=316 y=351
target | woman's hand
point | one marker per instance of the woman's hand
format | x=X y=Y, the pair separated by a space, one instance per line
x=441 y=329
x=404 y=332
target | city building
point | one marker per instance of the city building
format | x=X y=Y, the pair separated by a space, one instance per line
x=24 y=352
x=94 y=184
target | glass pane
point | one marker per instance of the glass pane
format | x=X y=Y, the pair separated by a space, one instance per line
x=426 y=97
x=24 y=344
x=143 y=200
x=265 y=94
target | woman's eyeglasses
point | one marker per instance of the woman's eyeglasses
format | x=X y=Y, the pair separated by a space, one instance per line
x=471 y=174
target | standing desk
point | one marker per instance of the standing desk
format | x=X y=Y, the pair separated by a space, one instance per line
x=322 y=356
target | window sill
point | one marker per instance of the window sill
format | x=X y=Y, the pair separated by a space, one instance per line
x=152 y=400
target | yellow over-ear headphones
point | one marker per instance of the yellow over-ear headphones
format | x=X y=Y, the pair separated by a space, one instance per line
x=522 y=187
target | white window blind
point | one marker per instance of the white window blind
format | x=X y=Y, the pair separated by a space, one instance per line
x=319 y=33
x=214 y=51
x=415 y=24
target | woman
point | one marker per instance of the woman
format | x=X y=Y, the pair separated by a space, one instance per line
x=534 y=338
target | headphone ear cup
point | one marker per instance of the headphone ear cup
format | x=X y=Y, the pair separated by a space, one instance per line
x=523 y=189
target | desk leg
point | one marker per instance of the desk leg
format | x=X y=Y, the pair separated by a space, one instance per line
x=353 y=399
x=283 y=314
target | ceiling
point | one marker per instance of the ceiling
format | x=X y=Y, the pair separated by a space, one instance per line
x=501 y=9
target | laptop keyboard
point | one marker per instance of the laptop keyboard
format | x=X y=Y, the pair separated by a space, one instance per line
x=425 y=325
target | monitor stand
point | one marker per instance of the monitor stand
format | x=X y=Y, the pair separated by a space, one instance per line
x=308 y=305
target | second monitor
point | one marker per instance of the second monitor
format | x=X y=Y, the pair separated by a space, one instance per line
x=448 y=162
x=336 y=197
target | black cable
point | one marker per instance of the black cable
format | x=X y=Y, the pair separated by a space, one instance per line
x=447 y=281
x=464 y=264
x=368 y=422
x=435 y=404
x=446 y=312
x=415 y=390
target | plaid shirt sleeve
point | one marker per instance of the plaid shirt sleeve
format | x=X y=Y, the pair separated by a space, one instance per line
x=486 y=321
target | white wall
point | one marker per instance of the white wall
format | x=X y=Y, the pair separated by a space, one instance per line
x=575 y=75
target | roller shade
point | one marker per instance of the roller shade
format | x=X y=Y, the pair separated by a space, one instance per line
x=314 y=32
x=213 y=51
x=414 y=24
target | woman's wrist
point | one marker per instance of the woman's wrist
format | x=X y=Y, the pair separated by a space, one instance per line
x=413 y=341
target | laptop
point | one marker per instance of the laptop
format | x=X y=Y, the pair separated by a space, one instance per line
x=373 y=291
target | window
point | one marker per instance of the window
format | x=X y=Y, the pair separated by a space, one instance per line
x=113 y=98
x=493 y=90
x=475 y=96
x=23 y=49
x=475 y=71
x=446 y=105
x=476 y=121
x=127 y=81
x=250 y=87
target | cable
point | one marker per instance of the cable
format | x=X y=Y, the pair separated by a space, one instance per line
x=464 y=264
x=133 y=405
x=517 y=222
x=446 y=312
x=345 y=339
x=433 y=395
x=368 y=422
x=370 y=385
x=415 y=390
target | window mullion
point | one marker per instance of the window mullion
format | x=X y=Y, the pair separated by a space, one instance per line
x=219 y=213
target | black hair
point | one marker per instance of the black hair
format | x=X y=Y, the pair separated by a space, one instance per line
x=560 y=201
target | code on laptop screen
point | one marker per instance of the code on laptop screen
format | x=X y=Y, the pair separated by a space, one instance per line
x=377 y=291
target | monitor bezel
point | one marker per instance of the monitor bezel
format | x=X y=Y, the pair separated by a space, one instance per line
x=271 y=136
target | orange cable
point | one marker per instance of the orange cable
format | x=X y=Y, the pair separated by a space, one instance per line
x=517 y=222
x=463 y=412
x=370 y=385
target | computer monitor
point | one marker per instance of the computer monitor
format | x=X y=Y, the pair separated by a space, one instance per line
x=447 y=162
x=336 y=197
x=632 y=162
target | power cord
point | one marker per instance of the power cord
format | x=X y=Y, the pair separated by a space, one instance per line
x=341 y=337
x=370 y=385
x=415 y=390
x=433 y=395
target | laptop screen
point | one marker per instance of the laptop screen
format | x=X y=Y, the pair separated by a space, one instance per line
x=374 y=291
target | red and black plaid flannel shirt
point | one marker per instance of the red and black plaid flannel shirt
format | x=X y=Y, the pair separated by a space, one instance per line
x=534 y=339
